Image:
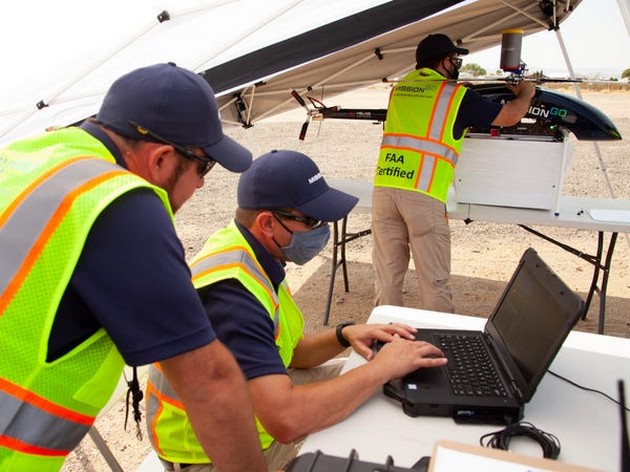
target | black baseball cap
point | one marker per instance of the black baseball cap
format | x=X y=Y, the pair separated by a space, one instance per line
x=436 y=45
x=175 y=104
x=289 y=179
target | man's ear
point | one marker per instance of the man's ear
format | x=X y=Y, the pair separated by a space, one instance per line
x=161 y=161
x=265 y=223
x=443 y=65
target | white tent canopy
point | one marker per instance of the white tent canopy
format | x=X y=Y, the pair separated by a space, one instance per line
x=474 y=25
x=259 y=51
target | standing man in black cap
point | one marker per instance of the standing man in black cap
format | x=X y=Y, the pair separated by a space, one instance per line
x=93 y=275
x=427 y=118
x=284 y=206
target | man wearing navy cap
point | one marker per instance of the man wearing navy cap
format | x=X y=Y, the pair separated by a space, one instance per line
x=284 y=206
x=93 y=275
x=427 y=118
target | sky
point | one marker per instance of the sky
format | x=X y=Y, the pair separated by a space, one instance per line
x=595 y=34
x=595 y=37
x=41 y=37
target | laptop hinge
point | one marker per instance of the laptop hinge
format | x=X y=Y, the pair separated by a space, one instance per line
x=506 y=371
x=517 y=391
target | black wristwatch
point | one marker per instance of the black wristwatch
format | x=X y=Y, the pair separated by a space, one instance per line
x=342 y=341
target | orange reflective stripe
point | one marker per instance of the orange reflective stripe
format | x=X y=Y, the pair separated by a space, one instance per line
x=434 y=112
x=156 y=398
x=42 y=404
x=154 y=411
x=164 y=391
x=245 y=268
x=420 y=145
x=32 y=423
x=39 y=242
x=238 y=256
x=21 y=446
x=15 y=203
x=426 y=171
x=447 y=113
x=203 y=265
x=164 y=396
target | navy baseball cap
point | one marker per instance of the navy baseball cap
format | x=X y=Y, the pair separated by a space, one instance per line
x=436 y=45
x=289 y=179
x=175 y=104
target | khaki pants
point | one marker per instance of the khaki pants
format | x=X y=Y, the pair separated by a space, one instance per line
x=404 y=221
x=277 y=456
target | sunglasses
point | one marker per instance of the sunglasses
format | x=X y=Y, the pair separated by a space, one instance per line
x=312 y=223
x=457 y=62
x=204 y=164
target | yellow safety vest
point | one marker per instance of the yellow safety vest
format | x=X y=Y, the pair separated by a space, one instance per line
x=52 y=189
x=226 y=255
x=418 y=151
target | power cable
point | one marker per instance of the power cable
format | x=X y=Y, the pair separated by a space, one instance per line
x=549 y=443
x=588 y=389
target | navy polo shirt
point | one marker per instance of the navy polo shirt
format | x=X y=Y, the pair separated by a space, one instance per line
x=241 y=322
x=475 y=111
x=132 y=280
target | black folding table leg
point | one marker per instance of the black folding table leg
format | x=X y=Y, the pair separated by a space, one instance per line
x=597 y=266
x=602 y=295
x=333 y=272
x=340 y=239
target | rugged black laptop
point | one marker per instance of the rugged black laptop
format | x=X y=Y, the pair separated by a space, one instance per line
x=492 y=374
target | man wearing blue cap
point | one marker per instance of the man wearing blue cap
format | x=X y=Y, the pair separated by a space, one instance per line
x=284 y=206
x=93 y=275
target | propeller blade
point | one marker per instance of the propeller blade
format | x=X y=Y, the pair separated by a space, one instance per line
x=299 y=99
x=303 y=130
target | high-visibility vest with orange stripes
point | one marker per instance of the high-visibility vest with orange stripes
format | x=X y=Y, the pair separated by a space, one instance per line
x=52 y=189
x=418 y=151
x=226 y=255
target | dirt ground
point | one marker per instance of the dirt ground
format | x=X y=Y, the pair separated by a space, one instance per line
x=484 y=254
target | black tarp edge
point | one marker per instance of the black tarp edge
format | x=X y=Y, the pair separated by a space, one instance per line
x=321 y=41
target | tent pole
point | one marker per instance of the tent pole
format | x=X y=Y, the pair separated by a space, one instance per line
x=624 y=9
x=578 y=92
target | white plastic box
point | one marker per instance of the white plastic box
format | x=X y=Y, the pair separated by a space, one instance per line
x=512 y=171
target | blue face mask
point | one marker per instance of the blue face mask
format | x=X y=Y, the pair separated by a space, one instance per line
x=305 y=246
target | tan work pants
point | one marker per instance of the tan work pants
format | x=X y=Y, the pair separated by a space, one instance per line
x=402 y=221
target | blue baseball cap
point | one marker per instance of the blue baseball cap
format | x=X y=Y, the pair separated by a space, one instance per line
x=175 y=104
x=289 y=179
x=437 y=45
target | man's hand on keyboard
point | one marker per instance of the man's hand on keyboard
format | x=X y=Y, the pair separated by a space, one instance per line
x=401 y=356
x=362 y=336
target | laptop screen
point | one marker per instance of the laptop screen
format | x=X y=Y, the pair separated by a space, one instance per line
x=533 y=317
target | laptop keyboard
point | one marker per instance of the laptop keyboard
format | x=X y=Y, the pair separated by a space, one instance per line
x=471 y=372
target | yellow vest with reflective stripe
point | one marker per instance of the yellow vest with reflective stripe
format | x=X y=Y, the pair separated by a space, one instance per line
x=52 y=189
x=418 y=151
x=226 y=255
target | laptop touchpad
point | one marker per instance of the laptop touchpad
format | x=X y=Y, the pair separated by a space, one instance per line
x=425 y=379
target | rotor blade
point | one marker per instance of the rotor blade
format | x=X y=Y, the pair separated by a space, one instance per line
x=304 y=128
x=299 y=99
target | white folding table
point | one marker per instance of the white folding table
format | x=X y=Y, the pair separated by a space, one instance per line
x=587 y=424
x=607 y=217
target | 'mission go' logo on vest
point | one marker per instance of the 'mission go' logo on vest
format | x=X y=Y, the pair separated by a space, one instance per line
x=416 y=88
x=395 y=171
